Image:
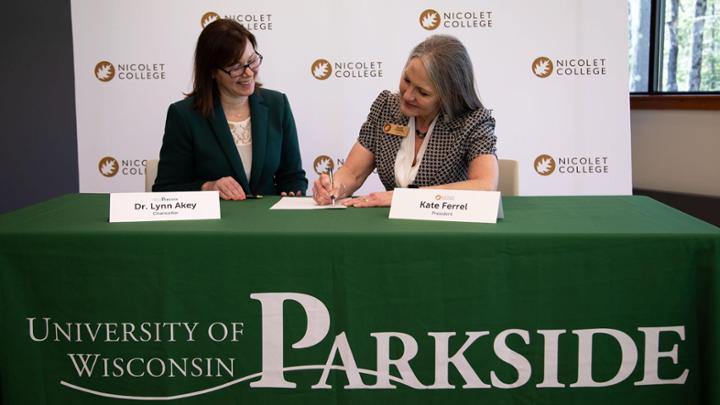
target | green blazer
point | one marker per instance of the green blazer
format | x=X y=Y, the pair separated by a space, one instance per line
x=196 y=149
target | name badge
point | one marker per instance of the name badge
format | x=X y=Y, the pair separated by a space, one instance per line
x=172 y=206
x=446 y=205
x=397 y=130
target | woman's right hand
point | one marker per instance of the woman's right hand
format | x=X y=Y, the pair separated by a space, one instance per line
x=228 y=188
x=323 y=192
x=348 y=178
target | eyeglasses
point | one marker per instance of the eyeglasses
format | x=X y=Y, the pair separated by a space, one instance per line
x=237 y=70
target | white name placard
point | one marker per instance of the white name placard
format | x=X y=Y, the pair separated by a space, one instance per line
x=171 y=206
x=446 y=205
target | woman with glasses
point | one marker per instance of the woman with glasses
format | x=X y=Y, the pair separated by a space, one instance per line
x=433 y=133
x=230 y=134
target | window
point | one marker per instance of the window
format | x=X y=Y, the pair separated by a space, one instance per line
x=674 y=46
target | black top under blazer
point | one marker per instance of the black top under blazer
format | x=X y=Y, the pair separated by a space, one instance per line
x=197 y=149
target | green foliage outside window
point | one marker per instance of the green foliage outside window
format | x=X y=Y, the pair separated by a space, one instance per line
x=687 y=34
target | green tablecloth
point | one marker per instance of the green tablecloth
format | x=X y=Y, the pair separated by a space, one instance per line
x=568 y=300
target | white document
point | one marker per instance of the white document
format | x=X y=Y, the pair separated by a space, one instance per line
x=170 y=206
x=446 y=205
x=303 y=203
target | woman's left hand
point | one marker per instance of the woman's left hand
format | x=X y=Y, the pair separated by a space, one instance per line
x=381 y=199
x=291 y=194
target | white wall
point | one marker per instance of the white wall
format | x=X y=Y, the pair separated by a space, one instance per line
x=676 y=151
x=559 y=95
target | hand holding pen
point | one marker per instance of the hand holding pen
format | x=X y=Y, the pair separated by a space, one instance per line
x=332 y=186
x=326 y=190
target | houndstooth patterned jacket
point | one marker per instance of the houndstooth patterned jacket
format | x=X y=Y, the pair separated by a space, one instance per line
x=451 y=148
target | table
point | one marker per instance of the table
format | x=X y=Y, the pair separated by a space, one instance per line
x=589 y=300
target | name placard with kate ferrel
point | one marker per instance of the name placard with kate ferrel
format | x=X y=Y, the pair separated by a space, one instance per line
x=446 y=205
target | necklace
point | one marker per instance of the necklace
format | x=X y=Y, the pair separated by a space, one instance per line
x=236 y=111
x=419 y=134
x=237 y=116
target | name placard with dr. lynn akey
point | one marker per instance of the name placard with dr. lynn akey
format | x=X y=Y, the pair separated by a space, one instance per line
x=167 y=206
x=446 y=205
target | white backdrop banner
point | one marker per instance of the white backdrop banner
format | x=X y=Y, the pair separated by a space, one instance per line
x=553 y=72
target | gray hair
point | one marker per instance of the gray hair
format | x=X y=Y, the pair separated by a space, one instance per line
x=449 y=68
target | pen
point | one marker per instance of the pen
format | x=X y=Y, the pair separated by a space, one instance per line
x=332 y=196
x=253 y=196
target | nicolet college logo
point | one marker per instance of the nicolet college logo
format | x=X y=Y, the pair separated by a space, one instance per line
x=108 y=166
x=104 y=71
x=544 y=67
x=253 y=22
x=452 y=362
x=208 y=18
x=323 y=69
x=544 y=165
x=430 y=19
x=323 y=164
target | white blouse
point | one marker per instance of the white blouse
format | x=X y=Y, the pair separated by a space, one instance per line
x=405 y=172
x=242 y=135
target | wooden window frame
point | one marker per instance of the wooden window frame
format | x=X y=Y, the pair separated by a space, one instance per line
x=674 y=101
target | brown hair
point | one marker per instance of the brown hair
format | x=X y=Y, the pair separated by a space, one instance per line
x=220 y=44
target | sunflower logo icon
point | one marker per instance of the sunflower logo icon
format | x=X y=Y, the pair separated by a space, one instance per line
x=430 y=19
x=542 y=67
x=104 y=71
x=321 y=69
